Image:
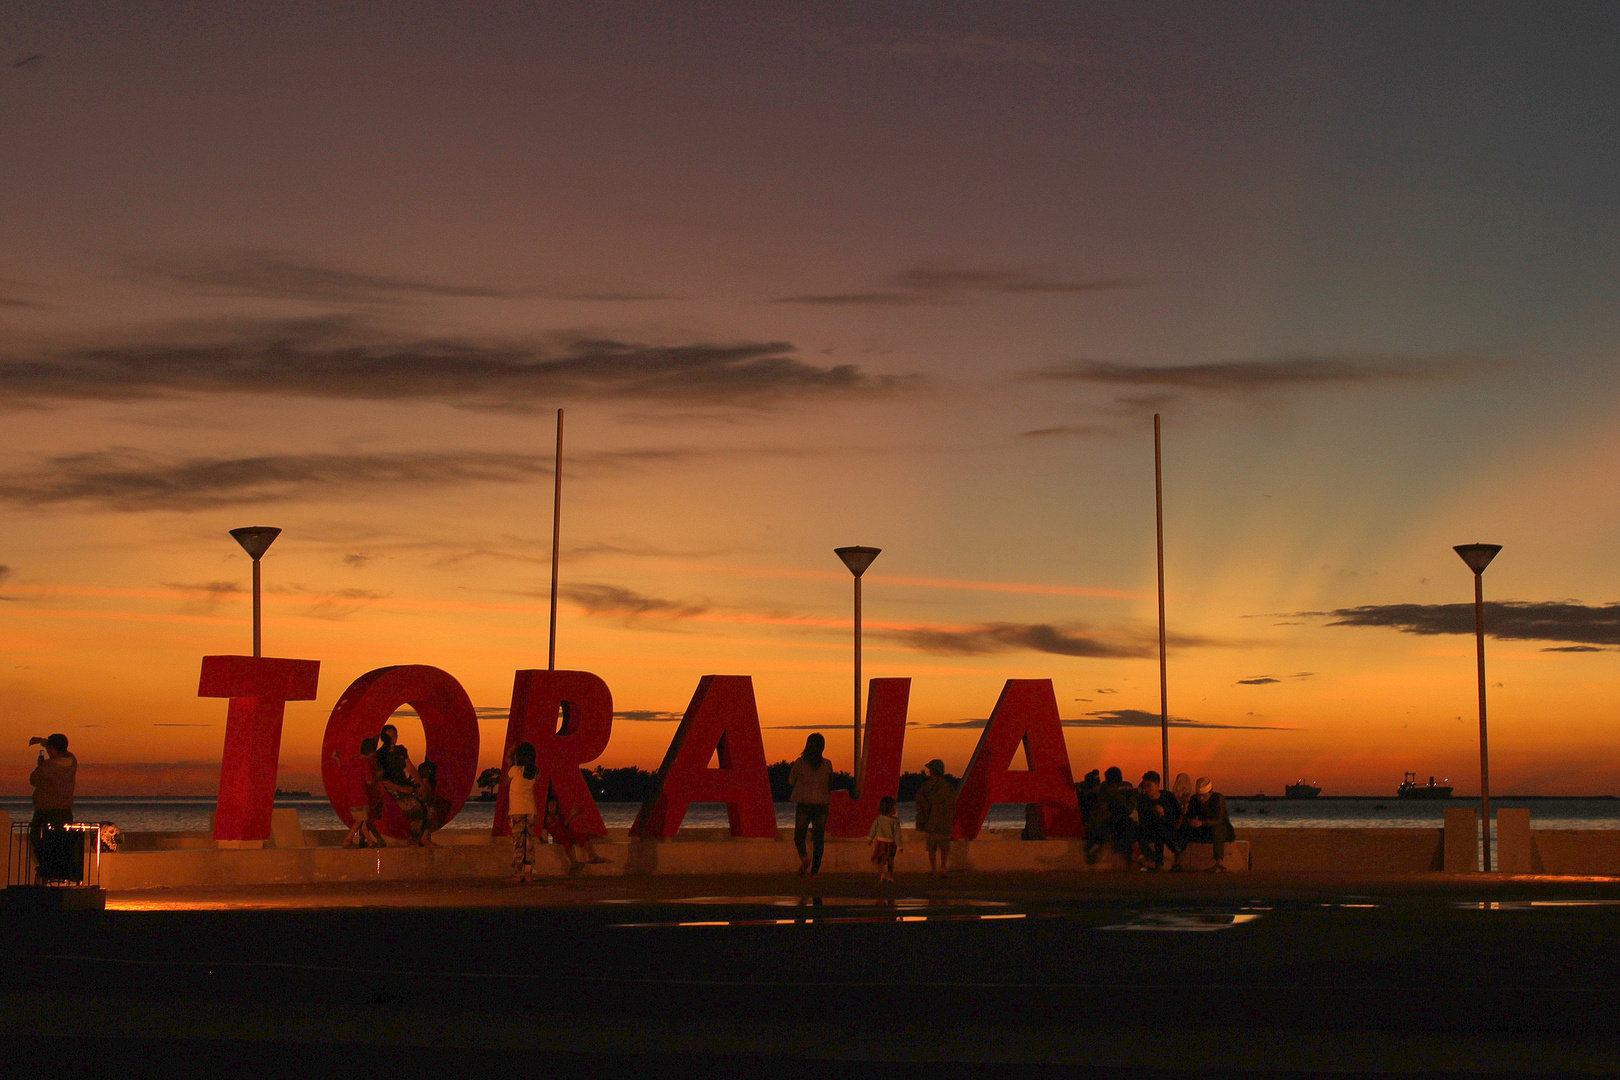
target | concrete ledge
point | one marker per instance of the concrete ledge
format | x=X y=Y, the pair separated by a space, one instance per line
x=1365 y=851
x=479 y=857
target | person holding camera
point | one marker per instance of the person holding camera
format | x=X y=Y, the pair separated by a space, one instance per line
x=53 y=780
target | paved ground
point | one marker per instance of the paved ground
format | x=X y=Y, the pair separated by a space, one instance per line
x=981 y=975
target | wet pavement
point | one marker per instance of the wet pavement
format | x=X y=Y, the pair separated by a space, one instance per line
x=1236 y=975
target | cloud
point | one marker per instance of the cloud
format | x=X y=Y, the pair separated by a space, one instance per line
x=639 y=549
x=923 y=285
x=1508 y=620
x=1065 y=639
x=647 y=715
x=340 y=358
x=1120 y=718
x=338 y=604
x=1267 y=680
x=1244 y=376
x=1575 y=648
x=15 y=302
x=5 y=572
x=286 y=277
x=128 y=480
x=1082 y=430
x=1143 y=718
x=208 y=596
x=613 y=600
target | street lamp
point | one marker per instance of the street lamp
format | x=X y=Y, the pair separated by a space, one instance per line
x=256 y=540
x=1478 y=557
x=857 y=559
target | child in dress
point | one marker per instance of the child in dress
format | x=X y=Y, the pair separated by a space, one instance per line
x=365 y=798
x=885 y=838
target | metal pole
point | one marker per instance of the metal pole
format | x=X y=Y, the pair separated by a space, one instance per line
x=556 y=542
x=1484 y=751
x=1164 y=672
x=857 y=724
x=256 y=650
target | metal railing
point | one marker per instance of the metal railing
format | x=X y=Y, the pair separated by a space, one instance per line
x=68 y=855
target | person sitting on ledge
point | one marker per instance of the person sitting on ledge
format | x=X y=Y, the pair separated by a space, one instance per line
x=1207 y=822
x=1182 y=791
x=1118 y=799
x=400 y=781
x=1158 y=815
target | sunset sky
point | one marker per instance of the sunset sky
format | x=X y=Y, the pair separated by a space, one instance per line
x=912 y=275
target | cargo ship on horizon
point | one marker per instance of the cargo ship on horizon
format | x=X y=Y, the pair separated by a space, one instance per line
x=1411 y=789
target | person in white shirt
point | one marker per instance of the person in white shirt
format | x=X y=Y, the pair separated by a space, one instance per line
x=885 y=838
x=811 y=780
x=520 y=810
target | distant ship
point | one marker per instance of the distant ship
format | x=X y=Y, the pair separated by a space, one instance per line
x=1302 y=790
x=1411 y=789
x=280 y=794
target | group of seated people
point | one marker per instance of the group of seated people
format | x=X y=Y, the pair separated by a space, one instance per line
x=1141 y=821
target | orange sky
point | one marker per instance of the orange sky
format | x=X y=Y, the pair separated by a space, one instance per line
x=909 y=277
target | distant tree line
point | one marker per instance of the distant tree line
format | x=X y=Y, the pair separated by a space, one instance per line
x=632 y=784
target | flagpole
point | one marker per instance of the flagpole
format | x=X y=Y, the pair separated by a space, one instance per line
x=556 y=541
x=1164 y=674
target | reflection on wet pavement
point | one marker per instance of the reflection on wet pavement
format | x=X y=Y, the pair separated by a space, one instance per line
x=1195 y=921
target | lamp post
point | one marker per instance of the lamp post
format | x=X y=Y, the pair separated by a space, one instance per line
x=857 y=559
x=1478 y=557
x=256 y=540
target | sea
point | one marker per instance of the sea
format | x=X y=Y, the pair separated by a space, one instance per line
x=192 y=813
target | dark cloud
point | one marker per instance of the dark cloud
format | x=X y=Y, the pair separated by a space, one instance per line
x=129 y=480
x=1575 y=648
x=14 y=302
x=639 y=549
x=1085 y=430
x=1267 y=680
x=640 y=715
x=1066 y=639
x=616 y=601
x=358 y=560
x=1510 y=620
x=924 y=285
x=338 y=358
x=1240 y=376
x=208 y=597
x=1143 y=718
x=338 y=604
x=286 y=277
x=1120 y=718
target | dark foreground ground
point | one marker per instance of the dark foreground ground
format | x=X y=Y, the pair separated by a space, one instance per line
x=983 y=976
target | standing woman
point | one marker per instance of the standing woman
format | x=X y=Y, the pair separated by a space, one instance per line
x=811 y=780
x=520 y=810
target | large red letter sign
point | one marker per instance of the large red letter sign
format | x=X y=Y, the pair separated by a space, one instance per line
x=448 y=720
x=259 y=688
x=1027 y=713
x=886 y=701
x=722 y=717
x=584 y=704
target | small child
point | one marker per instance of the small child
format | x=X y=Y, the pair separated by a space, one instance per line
x=562 y=832
x=365 y=797
x=885 y=838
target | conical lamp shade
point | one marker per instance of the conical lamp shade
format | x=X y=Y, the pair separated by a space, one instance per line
x=1477 y=556
x=857 y=558
x=256 y=539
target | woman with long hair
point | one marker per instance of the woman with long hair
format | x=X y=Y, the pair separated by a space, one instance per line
x=811 y=780
x=520 y=810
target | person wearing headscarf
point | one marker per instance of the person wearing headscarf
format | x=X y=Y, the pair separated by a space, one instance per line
x=1208 y=823
x=936 y=816
x=811 y=781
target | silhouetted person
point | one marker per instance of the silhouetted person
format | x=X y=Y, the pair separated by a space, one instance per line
x=521 y=770
x=1088 y=793
x=936 y=816
x=1182 y=790
x=53 y=779
x=1207 y=823
x=1158 y=817
x=1118 y=799
x=811 y=781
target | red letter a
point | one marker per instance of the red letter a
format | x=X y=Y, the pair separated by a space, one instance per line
x=1027 y=713
x=886 y=701
x=722 y=717
x=584 y=705
x=259 y=688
